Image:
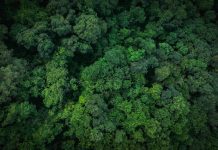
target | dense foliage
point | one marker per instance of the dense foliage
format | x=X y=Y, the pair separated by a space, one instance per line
x=109 y=74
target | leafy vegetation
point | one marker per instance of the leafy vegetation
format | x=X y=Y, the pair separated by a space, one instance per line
x=109 y=74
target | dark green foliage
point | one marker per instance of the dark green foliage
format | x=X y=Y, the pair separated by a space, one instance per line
x=29 y=12
x=205 y=4
x=109 y=74
x=103 y=8
x=45 y=45
x=12 y=71
x=60 y=26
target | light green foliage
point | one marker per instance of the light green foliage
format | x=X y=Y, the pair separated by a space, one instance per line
x=164 y=50
x=73 y=84
x=36 y=83
x=152 y=127
x=41 y=26
x=56 y=79
x=95 y=135
x=19 y=112
x=193 y=64
x=125 y=106
x=89 y=28
x=73 y=44
x=155 y=91
x=27 y=38
x=148 y=45
x=162 y=73
x=135 y=55
x=101 y=75
x=83 y=47
x=120 y=136
x=181 y=109
x=182 y=48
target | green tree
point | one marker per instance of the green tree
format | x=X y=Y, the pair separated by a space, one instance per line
x=56 y=79
x=60 y=25
x=162 y=73
x=89 y=28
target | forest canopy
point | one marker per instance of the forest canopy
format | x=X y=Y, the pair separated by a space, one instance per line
x=109 y=74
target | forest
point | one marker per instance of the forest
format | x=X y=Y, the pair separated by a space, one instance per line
x=109 y=74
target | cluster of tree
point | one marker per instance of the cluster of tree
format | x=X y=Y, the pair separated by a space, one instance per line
x=109 y=74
